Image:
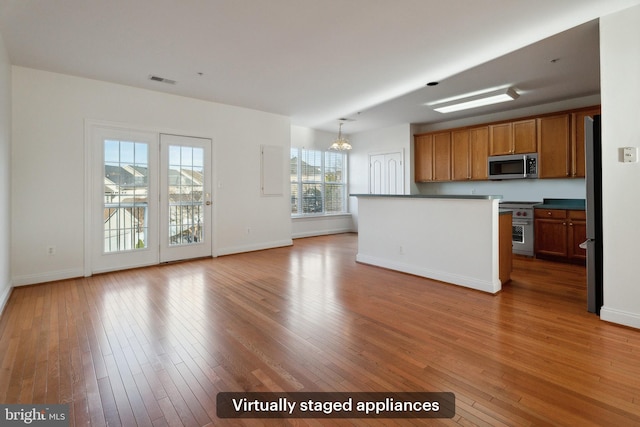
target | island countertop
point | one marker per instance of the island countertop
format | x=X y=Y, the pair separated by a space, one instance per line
x=433 y=196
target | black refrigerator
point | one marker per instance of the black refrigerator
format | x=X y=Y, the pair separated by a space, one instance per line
x=593 y=151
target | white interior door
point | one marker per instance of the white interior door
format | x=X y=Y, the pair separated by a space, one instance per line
x=185 y=198
x=376 y=174
x=386 y=173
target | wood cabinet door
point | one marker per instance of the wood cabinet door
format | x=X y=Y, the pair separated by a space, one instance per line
x=577 y=234
x=524 y=137
x=500 y=139
x=442 y=156
x=479 y=152
x=577 y=141
x=551 y=237
x=554 y=146
x=423 y=158
x=460 y=155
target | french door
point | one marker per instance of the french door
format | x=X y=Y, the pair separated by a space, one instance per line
x=185 y=197
x=150 y=198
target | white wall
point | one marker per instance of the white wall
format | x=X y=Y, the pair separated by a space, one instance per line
x=379 y=141
x=48 y=166
x=5 y=175
x=620 y=76
x=530 y=190
x=311 y=139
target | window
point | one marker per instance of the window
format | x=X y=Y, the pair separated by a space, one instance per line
x=318 y=182
x=125 y=195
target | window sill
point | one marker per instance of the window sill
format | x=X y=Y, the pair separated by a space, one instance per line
x=321 y=216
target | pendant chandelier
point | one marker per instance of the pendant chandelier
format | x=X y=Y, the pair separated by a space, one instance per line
x=341 y=143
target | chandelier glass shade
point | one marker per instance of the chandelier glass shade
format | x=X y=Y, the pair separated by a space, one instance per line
x=341 y=143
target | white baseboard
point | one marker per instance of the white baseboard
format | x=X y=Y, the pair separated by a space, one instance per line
x=322 y=233
x=52 y=276
x=253 y=247
x=4 y=298
x=620 y=317
x=443 y=276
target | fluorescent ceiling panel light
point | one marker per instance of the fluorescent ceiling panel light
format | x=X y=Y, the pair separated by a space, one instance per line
x=487 y=98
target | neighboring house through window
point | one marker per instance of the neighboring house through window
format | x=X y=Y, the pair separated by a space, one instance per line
x=318 y=182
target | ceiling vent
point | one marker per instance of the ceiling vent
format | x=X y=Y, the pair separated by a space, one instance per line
x=162 y=80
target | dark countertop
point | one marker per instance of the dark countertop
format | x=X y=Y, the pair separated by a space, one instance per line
x=573 y=204
x=432 y=196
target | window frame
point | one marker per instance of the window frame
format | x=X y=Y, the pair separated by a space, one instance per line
x=323 y=183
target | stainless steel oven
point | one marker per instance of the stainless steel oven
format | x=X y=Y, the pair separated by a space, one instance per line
x=522 y=233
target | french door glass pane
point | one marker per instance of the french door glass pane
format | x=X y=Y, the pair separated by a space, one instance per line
x=186 y=195
x=126 y=188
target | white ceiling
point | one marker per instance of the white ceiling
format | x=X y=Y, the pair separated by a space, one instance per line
x=318 y=60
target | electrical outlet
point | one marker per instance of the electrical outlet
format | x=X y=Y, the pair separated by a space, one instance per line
x=51 y=250
x=248 y=230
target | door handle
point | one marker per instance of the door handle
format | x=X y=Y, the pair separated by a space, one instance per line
x=583 y=245
x=208 y=203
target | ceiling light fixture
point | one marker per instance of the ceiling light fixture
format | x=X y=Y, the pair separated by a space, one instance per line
x=341 y=143
x=479 y=100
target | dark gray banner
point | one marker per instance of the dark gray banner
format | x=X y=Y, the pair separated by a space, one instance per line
x=34 y=415
x=335 y=405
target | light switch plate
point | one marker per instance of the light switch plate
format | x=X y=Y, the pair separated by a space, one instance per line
x=629 y=154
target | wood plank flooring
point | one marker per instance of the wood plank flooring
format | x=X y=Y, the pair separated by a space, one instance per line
x=153 y=346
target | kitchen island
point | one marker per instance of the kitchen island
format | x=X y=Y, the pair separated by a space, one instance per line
x=454 y=239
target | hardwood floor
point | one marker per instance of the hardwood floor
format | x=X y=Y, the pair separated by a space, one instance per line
x=153 y=346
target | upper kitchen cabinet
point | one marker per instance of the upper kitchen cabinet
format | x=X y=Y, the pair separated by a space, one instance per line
x=460 y=155
x=479 y=149
x=561 y=144
x=469 y=152
x=554 y=146
x=423 y=158
x=517 y=137
x=577 y=140
x=432 y=160
x=442 y=156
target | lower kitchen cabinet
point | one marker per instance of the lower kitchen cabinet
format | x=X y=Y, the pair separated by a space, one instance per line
x=559 y=233
x=577 y=235
x=505 y=247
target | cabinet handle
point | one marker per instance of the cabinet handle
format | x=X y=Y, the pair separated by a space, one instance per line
x=548 y=213
x=564 y=223
x=571 y=224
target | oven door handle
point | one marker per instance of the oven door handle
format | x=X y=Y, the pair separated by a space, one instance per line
x=521 y=222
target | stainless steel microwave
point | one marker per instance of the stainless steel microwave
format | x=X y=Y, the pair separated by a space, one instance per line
x=513 y=166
